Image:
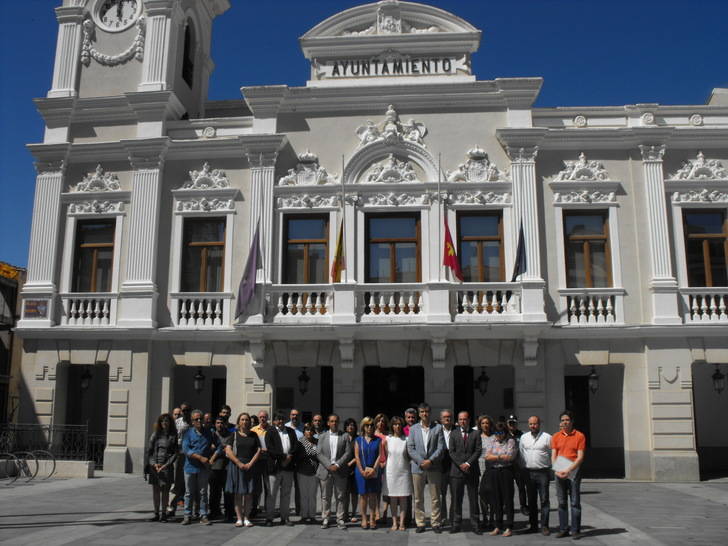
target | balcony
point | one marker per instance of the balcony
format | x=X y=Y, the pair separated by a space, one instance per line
x=88 y=309
x=201 y=310
x=477 y=302
x=705 y=305
x=592 y=306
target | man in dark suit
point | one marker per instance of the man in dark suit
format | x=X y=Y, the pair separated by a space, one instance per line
x=282 y=444
x=465 y=448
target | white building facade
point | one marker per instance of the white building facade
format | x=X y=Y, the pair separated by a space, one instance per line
x=148 y=197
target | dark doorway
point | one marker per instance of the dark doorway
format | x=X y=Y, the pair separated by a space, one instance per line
x=219 y=388
x=327 y=391
x=463 y=391
x=576 y=395
x=392 y=390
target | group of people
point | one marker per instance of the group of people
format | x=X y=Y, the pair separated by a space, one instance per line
x=253 y=465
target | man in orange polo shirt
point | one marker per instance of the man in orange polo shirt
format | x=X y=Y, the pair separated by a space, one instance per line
x=567 y=455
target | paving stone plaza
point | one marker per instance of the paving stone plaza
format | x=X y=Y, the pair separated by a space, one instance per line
x=112 y=510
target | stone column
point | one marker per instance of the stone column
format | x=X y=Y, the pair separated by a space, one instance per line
x=674 y=454
x=68 y=50
x=348 y=383
x=438 y=383
x=163 y=18
x=262 y=181
x=40 y=286
x=525 y=208
x=530 y=383
x=137 y=305
x=662 y=280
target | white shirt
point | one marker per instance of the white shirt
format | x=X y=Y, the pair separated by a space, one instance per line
x=535 y=451
x=425 y=436
x=333 y=442
x=446 y=433
x=285 y=440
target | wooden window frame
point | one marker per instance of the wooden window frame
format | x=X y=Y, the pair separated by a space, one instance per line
x=480 y=239
x=392 y=241
x=306 y=245
x=705 y=237
x=95 y=247
x=202 y=285
x=586 y=242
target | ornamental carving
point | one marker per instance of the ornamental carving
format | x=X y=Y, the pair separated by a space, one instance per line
x=308 y=201
x=700 y=196
x=696 y=120
x=391 y=130
x=389 y=21
x=480 y=198
x=396 y=199
x=96 y=207
x=98 y=181
x=206 y=179
x=308 y=172
x=701 y=169
x=205 y=205
x=582 y=169
x=580 y=121
x=652 y=153
x=522 y=155
x=585 y=196
x=391 y=170
x=134 y=51
x=477 y=168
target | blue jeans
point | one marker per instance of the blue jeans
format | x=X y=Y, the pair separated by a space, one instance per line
x=196 y=490
x=566 y=488
x=537 y=487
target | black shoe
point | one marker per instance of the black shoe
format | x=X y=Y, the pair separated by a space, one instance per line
x=288 y=523
x=524 y=510
x=562 y=534
x=268 y=523
x=437 y=530
x=530 y=530
x=155 y=517
x=576 y=536
x=477 y=531
x=163 y=518
x=420 y=530
x=454 y=529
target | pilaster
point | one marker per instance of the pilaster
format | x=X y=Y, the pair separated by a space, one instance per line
x=258 y=388
x=262 y=180
x=525 y=209
x=68 y=49
x=438 y=381
x=348 y=390
x=530 y=383
x=162 y=17
x=137 y=305
x=663 y=284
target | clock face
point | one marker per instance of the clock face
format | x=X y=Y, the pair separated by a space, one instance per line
x=117 y=15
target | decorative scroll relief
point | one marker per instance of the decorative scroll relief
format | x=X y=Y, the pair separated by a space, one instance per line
x=206 y=179
x=391 y=170
x=396 y=199
x=480 y=198
x=700 y=196
x=701 y=169
x=389 y=21
x=477 y=168
x=585 y=196
x=582 y=169
x=95 y=207
x=391 y=130
x=308 y=172
x=308 y=201
x=205 y=205
x=652 y=153
x=98 y=181
x=134 y=51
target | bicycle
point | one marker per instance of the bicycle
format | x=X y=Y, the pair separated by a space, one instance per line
x=49 y=461
x=28 y=465
x=9 y=468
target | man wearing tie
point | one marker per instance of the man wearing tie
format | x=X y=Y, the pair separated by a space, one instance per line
x=425 y=446
x=334 y=453
x=282 y=443
x=465 y=448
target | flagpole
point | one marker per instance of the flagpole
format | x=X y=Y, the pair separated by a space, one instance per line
x=440 y=206
x=343 y=223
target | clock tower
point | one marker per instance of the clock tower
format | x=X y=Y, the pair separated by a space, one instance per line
x=108 y=48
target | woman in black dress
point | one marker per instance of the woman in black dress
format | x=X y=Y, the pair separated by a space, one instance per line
x=160 y=457
x=243 y=450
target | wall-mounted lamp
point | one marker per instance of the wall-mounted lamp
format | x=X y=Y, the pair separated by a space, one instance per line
x=481 y=383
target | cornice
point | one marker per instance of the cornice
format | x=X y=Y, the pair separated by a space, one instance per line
x=49 y=157
x=265 y=101
x=155 y=105
x=70 y=14
x=148 y=153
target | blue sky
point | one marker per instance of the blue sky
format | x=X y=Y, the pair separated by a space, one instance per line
x=589 y=52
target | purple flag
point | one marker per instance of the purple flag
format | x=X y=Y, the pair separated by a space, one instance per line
x=246 y=290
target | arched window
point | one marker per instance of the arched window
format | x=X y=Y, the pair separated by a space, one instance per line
x=188 y=61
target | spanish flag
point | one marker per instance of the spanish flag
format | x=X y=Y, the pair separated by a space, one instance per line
x=450 y=257
x=339 y=262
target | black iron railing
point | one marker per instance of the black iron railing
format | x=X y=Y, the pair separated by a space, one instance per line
x=65 y=442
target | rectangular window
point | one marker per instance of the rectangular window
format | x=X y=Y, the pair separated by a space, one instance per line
x=306 y=250
x=203 y=255
x=93 y=256
x=586 y=240
x=706 y=247
x=393 y=248
x=480 y=246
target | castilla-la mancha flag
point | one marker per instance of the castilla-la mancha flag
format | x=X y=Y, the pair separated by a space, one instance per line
x=450 y=257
